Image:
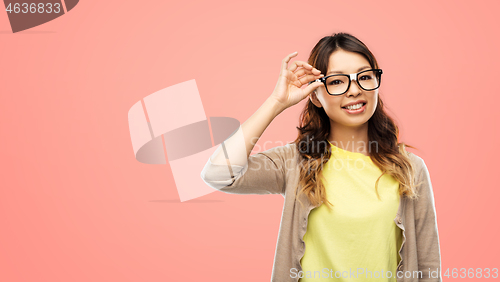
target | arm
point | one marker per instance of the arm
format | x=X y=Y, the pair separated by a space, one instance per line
x=428 y=250
x=264 y=172
x=237 y=147
x=231 y=168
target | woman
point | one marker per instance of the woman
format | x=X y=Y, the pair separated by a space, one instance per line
x=357 y=204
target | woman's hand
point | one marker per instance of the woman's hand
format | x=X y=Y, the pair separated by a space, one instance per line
x=288 y=91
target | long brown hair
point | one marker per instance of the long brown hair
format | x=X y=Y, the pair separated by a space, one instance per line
x=314 y=128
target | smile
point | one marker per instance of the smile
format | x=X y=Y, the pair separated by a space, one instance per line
x=355 y=109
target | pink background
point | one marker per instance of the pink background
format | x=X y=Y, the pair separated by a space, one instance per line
x=75 y=205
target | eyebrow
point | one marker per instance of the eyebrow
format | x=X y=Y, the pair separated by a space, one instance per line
x=360 y=69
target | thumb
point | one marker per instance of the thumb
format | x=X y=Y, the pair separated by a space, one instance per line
x=311 y=87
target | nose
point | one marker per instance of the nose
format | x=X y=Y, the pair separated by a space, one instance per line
x=354 y=89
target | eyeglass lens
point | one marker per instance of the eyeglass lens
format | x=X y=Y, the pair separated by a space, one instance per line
x=337 y=84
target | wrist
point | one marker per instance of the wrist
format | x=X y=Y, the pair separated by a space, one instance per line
x=274 y=105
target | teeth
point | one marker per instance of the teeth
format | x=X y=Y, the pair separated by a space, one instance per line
x=355 y=107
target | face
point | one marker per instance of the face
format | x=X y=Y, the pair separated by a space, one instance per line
x=346 y=63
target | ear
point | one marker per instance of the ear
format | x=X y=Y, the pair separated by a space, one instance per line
x=314 y=99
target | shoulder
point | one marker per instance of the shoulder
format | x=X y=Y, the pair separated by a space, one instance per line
x=422 y=176
x=417 y=161
x=284 y=156
x=286 y=151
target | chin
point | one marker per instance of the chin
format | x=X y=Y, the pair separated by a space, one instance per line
x=356 y=124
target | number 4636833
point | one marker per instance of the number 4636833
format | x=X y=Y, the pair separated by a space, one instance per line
x=471 y=273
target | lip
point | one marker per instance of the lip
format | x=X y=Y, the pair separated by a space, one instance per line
x=360 y=110
x=354 y=103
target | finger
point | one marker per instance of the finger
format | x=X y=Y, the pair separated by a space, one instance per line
x=311 y=87
x=284 y=62
x=297 y=64
x=300 y=72
x=307 y=78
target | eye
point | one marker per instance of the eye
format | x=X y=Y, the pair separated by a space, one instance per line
x=365 y=77
x=336 y=82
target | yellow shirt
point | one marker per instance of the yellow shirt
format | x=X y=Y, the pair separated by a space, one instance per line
x=358 y=240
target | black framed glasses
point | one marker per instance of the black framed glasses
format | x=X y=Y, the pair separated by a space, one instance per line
x=338 y=84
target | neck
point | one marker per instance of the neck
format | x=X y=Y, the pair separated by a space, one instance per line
x=350 y=138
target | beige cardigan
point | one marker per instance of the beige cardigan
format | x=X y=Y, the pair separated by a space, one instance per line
x=275 y=171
